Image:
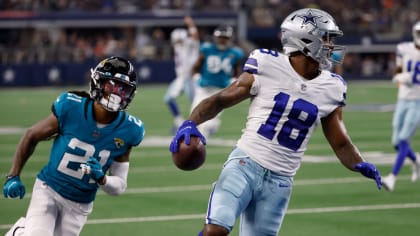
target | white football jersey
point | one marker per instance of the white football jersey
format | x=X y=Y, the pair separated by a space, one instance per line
x=185 y=55
x=408 y=57
x=284 y=110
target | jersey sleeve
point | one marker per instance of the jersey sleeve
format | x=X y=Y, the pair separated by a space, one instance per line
x=141 y=132
x=60 y=108
x=251 y=64
x=342 y=101
x=399 y=55
x=137 y=130
x=254 y=65
x=257 y=59
x=404 y=52
x=57 y=106
x=341 y=95
x=65 y=105
x=205 y=48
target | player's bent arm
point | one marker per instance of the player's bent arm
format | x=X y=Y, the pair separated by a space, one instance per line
x=192 y=29
x=116 y=182
x=336 y=134
x=398 y=69
x=401 y=77
x=237 y=69
x=231 y=95
x=42 y=130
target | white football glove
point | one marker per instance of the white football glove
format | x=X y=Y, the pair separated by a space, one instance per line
x=196 y=77
x=403 y=78
x=85 y=169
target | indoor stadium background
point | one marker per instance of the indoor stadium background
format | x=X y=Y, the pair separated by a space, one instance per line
x=47 y=47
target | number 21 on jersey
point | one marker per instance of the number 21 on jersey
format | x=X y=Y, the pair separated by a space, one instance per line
x=295 y=127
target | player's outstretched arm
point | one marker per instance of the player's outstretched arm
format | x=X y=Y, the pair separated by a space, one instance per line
x=402 y=77
x=42 y=130
x=336 y=134
x=192 y=29
x=210 y=107
x=229 y=96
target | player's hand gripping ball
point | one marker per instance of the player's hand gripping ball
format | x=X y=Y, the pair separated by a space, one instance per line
x=190 y=157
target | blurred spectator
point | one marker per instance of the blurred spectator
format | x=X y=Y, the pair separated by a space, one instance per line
x=263 y=17
x=379 y=19
x=368 y=66
x=160 y=44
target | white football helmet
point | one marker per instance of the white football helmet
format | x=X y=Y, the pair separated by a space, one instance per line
x=178 y=35
x=416 y=33
x=311 y=31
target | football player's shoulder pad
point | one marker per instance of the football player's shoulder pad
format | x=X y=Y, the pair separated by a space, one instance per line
x=136 y=127
x=405 y=47
x=67 y=101
x=206 y=46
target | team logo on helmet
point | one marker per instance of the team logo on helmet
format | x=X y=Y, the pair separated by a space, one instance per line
x=309 y=18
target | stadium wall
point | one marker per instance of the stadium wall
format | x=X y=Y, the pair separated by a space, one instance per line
x=74 y=74
x=364 y=52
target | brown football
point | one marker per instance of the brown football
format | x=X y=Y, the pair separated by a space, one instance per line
x=190 y=157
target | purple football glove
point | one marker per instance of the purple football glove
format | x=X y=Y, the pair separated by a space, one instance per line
x=14 y=188
x=369 y=170
x=185 y=131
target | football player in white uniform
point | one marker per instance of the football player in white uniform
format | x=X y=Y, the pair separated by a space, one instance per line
x=407 y=112
x=289 y=96
x=185 y=43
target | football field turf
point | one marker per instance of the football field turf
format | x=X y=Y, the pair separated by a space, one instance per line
x=327 y=199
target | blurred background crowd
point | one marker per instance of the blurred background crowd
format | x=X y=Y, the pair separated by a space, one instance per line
x=389 y=21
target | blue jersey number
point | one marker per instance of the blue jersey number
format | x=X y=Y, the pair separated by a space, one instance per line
x=268 y=51
x=416 y=70
x=301 y=117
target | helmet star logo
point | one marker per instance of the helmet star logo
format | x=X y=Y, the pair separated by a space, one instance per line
x=309 y=18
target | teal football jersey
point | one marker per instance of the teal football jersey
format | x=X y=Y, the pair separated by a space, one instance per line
x=218 y=66
x=79 y=138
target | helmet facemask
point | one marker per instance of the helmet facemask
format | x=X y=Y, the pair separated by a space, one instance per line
x=113 y=90
x=223 y=37
x=328 y=49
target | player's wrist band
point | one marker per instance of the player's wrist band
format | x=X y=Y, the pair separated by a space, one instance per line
x=8 y=177
x=102 y=180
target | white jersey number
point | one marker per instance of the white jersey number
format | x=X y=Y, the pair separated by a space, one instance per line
x=70 y=160
x=215 y=64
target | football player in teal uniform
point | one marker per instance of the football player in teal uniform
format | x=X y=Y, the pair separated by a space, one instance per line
x=92 y=139
x=218 y=64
